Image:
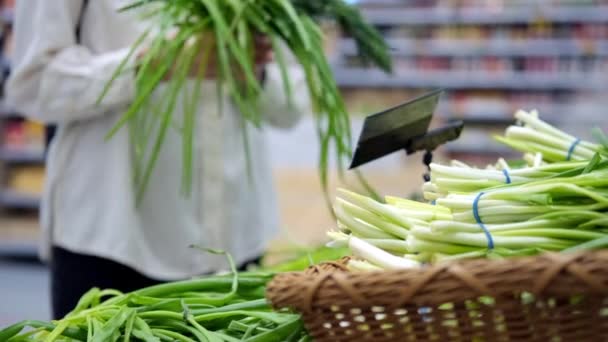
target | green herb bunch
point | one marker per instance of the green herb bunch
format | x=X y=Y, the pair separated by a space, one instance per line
x=233 y=25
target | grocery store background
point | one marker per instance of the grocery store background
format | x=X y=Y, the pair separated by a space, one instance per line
x=492 y=57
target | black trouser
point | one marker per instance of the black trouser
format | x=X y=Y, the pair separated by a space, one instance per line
x=72 y=275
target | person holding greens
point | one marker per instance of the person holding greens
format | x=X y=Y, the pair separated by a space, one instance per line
x=94 y=233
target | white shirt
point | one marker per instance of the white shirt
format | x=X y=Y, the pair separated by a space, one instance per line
x=88 y=204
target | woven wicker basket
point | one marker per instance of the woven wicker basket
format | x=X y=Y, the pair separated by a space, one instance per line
x=551 y=297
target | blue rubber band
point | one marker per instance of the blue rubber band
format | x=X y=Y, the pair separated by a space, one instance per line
x=572 y=147
x=480 y=223
x=507 y=176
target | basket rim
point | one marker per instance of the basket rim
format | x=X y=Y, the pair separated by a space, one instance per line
x=478 y=276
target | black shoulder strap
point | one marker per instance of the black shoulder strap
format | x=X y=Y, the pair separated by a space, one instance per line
x=51 y=129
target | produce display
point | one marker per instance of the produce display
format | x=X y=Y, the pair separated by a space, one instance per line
x=224 y=33
x=229 y=307
x=215 y=308
x=556 y=201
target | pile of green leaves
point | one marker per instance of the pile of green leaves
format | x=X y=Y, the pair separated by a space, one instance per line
x=213 y=309
x=233 y=24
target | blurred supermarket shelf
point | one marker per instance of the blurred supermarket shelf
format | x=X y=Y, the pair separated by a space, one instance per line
x=475 y=3
x=16 y=200
x=363 y=77
x=25 y=156
x=7 y=111
x=479 y=149
x=25 y=249
x=559 y=115
x=484 y=120
x=5 y=63
x=489 y=47
x=299 y=147
x=6 y=15
x=19 y=236
x=484 y=15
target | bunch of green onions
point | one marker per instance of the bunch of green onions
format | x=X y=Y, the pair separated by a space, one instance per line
x=233 y=24
x=212 y=309
x=534 y=135
x=460 y=178
x=500 y=211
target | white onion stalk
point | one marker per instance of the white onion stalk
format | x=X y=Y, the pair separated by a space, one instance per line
x=371 y=218
x=359 y=227
x=387 y=211
x=538 y=160
x=362 y=266
x=373 y=254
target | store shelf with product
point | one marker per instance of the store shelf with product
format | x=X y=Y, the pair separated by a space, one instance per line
x=484 y=107
x=16 y=200
x=22 y=137
x=7 y=15
x=21 y=162
x=486 y=15
x=492 y=58
x=501 y=47
x=481 y=119
x=5 y=64
x=360 y=77
x=8 y=112
x=19 y=235
x=478 y=149
x=19 y=248
x=21 y=157
x=23 y=185
x=478 y=140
